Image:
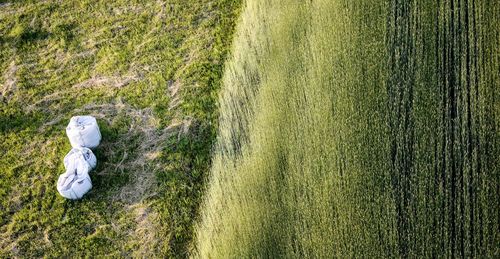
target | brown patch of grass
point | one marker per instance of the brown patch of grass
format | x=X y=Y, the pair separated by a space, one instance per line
x=143 y=238
x=9 y=86
x=110 y=81
x=173 y=89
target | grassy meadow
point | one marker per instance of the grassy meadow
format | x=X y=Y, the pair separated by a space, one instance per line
x=149 y=71
x=357 y=129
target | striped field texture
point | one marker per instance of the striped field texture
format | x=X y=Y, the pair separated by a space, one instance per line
x=358 y=129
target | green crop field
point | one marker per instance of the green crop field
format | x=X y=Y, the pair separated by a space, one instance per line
x=253 y=128
x=358 y=129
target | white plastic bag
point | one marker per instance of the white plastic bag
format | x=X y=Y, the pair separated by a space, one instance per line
x=83 y=131
x=75 y=182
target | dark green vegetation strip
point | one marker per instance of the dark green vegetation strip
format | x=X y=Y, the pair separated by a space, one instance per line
x=149 y=71
x=444 y=75
x=358 y=129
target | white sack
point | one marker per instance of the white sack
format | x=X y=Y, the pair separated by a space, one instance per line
x=80 y=157
x=73 y=186
x=75 y=182
x=83 y=131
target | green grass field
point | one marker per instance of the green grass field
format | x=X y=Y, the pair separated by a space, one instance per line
x=150 y=72
x=358 y=129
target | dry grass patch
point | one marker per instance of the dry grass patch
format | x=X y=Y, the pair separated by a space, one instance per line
x=108 y=81
x=9 y=85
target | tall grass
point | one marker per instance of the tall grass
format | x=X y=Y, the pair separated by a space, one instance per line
x=357 y=129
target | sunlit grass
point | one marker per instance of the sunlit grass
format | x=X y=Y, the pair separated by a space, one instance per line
x=357 y=129
x=149 y=71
